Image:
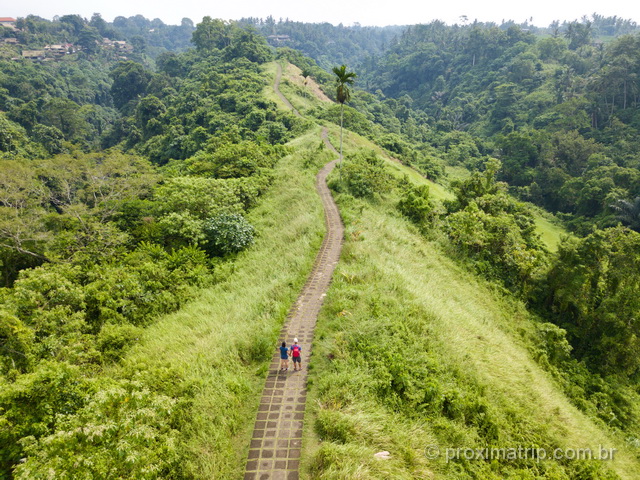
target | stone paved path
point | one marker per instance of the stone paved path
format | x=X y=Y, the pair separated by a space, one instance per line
x=277 y=436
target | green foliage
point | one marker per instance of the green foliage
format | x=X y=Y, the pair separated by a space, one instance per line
x=96 y=246
x=628 y=212
x=35 y=404
x=51 y=138
x=353 y=120
x=16 y=344
x=211 y=33
x=343 y=80
x=364 y=174
x=235 y=41
x=148 y=115
x=416 y=205
x=227 y=233
x=592 y=290
x=555 y=342
x=245 y=43
x=544 y=104
x=185 y=203
x=304 y=63
x=233 y=160
x=64 y=115
x=477 y=185
x=114 y=340
x=411 y=351
x=494 y=230
x=500 y=237
x=62 y=207
x=14 y=141
x=129 y=81
x=125 y=430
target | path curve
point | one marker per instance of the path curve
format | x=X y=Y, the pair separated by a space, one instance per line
x=276 y=88
x=277 y=436
x=274 y=453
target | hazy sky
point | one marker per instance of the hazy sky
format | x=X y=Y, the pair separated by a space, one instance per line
x=347 y=12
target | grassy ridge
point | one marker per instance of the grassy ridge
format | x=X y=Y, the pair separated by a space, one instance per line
x=219 y=345
x=412 y=351
x=550 y=232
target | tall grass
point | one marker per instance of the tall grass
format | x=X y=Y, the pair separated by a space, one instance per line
x=414 y=352
x=215 y=350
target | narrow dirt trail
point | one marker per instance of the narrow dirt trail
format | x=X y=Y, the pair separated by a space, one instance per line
x=277 y=436
x=276 y=88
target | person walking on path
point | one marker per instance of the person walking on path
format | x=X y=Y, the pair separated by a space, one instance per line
x=295 y=355
x=284 y=357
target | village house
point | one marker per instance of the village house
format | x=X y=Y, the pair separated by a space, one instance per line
x=58 y=50
x=118 y=45
x=34 y=54
x=122 y=46
x=278 y=38
x=8 y=22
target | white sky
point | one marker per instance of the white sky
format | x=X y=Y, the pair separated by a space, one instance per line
x=347 y=12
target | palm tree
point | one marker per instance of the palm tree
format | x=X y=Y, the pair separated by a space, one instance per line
x=628 y=212
x=343 y=80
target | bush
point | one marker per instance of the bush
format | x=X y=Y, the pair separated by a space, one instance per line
x=499 y=245
x=228 y=233
x=365 y=174
x=416 y=205
x=114 y=340
x=33 y=404
x=125 y=431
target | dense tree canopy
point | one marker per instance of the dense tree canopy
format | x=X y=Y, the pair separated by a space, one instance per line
x=125 y=181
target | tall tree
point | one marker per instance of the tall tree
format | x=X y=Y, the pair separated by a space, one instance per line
x=628 y=212
x=211 y=33
x=343 y=94
x=130 y=80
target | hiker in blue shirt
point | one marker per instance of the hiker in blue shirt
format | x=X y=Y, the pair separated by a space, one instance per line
x=284 y=357
x=295 y=352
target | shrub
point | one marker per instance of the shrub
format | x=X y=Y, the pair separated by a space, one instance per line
x=497 y=242
x=114 y=340
x=416 y=205
x=365 y=174
x=33 y=404
x=125 y=431
x=228 y=233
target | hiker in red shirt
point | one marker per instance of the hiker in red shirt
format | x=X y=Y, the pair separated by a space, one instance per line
x=295 y=352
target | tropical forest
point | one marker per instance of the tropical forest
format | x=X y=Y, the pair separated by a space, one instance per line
x=445 y=218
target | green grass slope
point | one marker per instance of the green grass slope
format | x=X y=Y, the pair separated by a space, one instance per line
x=550 y=232
x=218 y=346
x=415 y=356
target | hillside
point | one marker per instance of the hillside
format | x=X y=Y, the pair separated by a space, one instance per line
x=416 y=354
x=152 y=247
x=107 y=233
x=421 y=359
